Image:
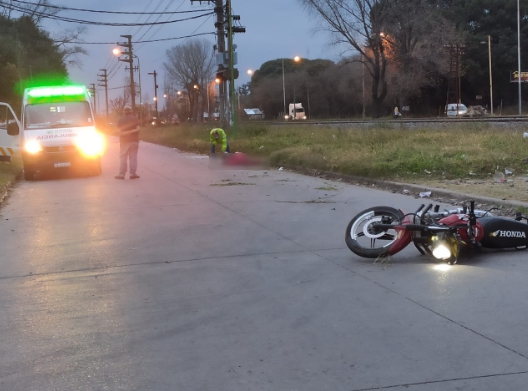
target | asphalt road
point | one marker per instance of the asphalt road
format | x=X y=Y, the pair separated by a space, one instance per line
x=197 y=279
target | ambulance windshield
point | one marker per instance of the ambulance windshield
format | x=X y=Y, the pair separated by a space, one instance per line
x=57 y=115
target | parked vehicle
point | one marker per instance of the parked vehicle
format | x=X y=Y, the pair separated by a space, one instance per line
x=56 y=130
x=383 y=231
x=295 y=112
x=456 y=109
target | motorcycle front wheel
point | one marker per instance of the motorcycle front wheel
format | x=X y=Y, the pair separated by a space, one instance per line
x=361 y=237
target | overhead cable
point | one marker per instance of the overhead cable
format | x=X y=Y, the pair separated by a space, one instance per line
x=61 y=8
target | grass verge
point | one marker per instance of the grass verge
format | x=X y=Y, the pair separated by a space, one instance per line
x=9 y=173
x=381 y=152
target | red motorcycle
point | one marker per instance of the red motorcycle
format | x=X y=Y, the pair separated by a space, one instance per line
x=383 y=231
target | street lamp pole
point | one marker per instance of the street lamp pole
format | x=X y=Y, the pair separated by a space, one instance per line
x=363 y=85
x=283 y=89
x=519 y=53
x=155 y=93
x=490 y=76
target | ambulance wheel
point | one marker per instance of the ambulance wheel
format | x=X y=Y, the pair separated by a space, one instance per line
x=28 y=174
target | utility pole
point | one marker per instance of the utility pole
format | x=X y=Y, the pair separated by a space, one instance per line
x=454 y=88
x=103 y=82
x=92 y=89
x=155 y=93
x=226 y=59
x=130 y=60
x=221 y=59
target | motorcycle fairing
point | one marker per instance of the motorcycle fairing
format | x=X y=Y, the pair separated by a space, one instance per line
x=463 y=219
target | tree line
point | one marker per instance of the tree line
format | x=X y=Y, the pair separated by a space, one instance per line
x=397 y=53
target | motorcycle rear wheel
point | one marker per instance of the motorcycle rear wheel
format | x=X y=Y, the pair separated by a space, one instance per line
x=362 y=239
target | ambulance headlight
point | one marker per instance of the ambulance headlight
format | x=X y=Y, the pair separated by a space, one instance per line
x=32 y=147
x=90 y=144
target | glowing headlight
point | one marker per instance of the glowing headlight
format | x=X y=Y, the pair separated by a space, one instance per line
x=441 y=251
x=32 y=146
x=286 y=117
x=91 y=144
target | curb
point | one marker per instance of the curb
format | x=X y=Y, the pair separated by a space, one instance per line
x=405 y=188
x=4 y=191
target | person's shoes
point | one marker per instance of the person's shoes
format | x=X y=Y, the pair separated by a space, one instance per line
x=134 y=176
x=119 y=176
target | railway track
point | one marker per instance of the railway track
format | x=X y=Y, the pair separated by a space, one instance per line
x=410 y=121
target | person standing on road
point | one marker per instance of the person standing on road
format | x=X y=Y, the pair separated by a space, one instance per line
x=128 y=127
x=218 y=138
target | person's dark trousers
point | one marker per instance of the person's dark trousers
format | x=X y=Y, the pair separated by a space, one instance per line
x=213 y=148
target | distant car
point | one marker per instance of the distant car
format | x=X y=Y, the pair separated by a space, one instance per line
x=451 y=109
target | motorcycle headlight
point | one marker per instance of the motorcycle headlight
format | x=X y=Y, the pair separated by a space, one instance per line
x=32 y=146
x=90 y=144
x=441 y=250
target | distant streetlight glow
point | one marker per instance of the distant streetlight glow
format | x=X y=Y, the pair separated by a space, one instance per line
x=249 y=72
x=296 y=59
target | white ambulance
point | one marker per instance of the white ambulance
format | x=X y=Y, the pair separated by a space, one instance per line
x=57 y=131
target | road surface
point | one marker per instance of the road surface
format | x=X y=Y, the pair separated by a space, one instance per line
x=196 y=279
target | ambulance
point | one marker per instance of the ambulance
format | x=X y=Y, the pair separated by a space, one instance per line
x=56 y=131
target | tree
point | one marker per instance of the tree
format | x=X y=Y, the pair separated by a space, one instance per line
x=191 y=65
x=415 y=33
x=365 y=26
x=70 y=54
x=28 y=56
x=498 y=19
x=35 y=11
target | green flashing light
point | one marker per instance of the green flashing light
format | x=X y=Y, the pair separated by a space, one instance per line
x=42 y=92
x=38 y=95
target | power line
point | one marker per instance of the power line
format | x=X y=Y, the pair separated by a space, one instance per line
x=190 y=36
x=166 y=8
x=62 y=8
x=81 y=21
x=146 y=41
x=156 y=8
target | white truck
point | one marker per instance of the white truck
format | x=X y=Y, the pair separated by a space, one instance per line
x=56 y=131
x=295 y=112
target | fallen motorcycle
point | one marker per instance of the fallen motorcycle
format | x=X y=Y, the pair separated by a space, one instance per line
x=383 y=231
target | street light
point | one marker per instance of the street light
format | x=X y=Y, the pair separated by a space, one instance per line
x=490 y=77
x=296 y=59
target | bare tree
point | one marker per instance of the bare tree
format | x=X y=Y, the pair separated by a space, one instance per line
x=191 y=65
x=118 y=104
x=415 y=35
x=378 y=30
x=64 y=39
x=357 y=25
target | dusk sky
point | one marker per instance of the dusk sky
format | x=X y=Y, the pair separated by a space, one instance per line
x=274 y=29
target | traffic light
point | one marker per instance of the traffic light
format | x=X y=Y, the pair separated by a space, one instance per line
x=225 y=74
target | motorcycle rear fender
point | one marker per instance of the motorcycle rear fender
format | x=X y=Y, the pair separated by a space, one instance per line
x=403 y=238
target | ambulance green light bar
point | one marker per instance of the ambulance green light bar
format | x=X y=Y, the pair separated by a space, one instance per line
x=40 y=92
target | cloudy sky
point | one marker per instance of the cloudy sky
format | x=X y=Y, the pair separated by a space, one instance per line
x=274 y=29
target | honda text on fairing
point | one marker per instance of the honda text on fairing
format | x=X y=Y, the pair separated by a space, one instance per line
x=57 y=130
x=383 y=231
